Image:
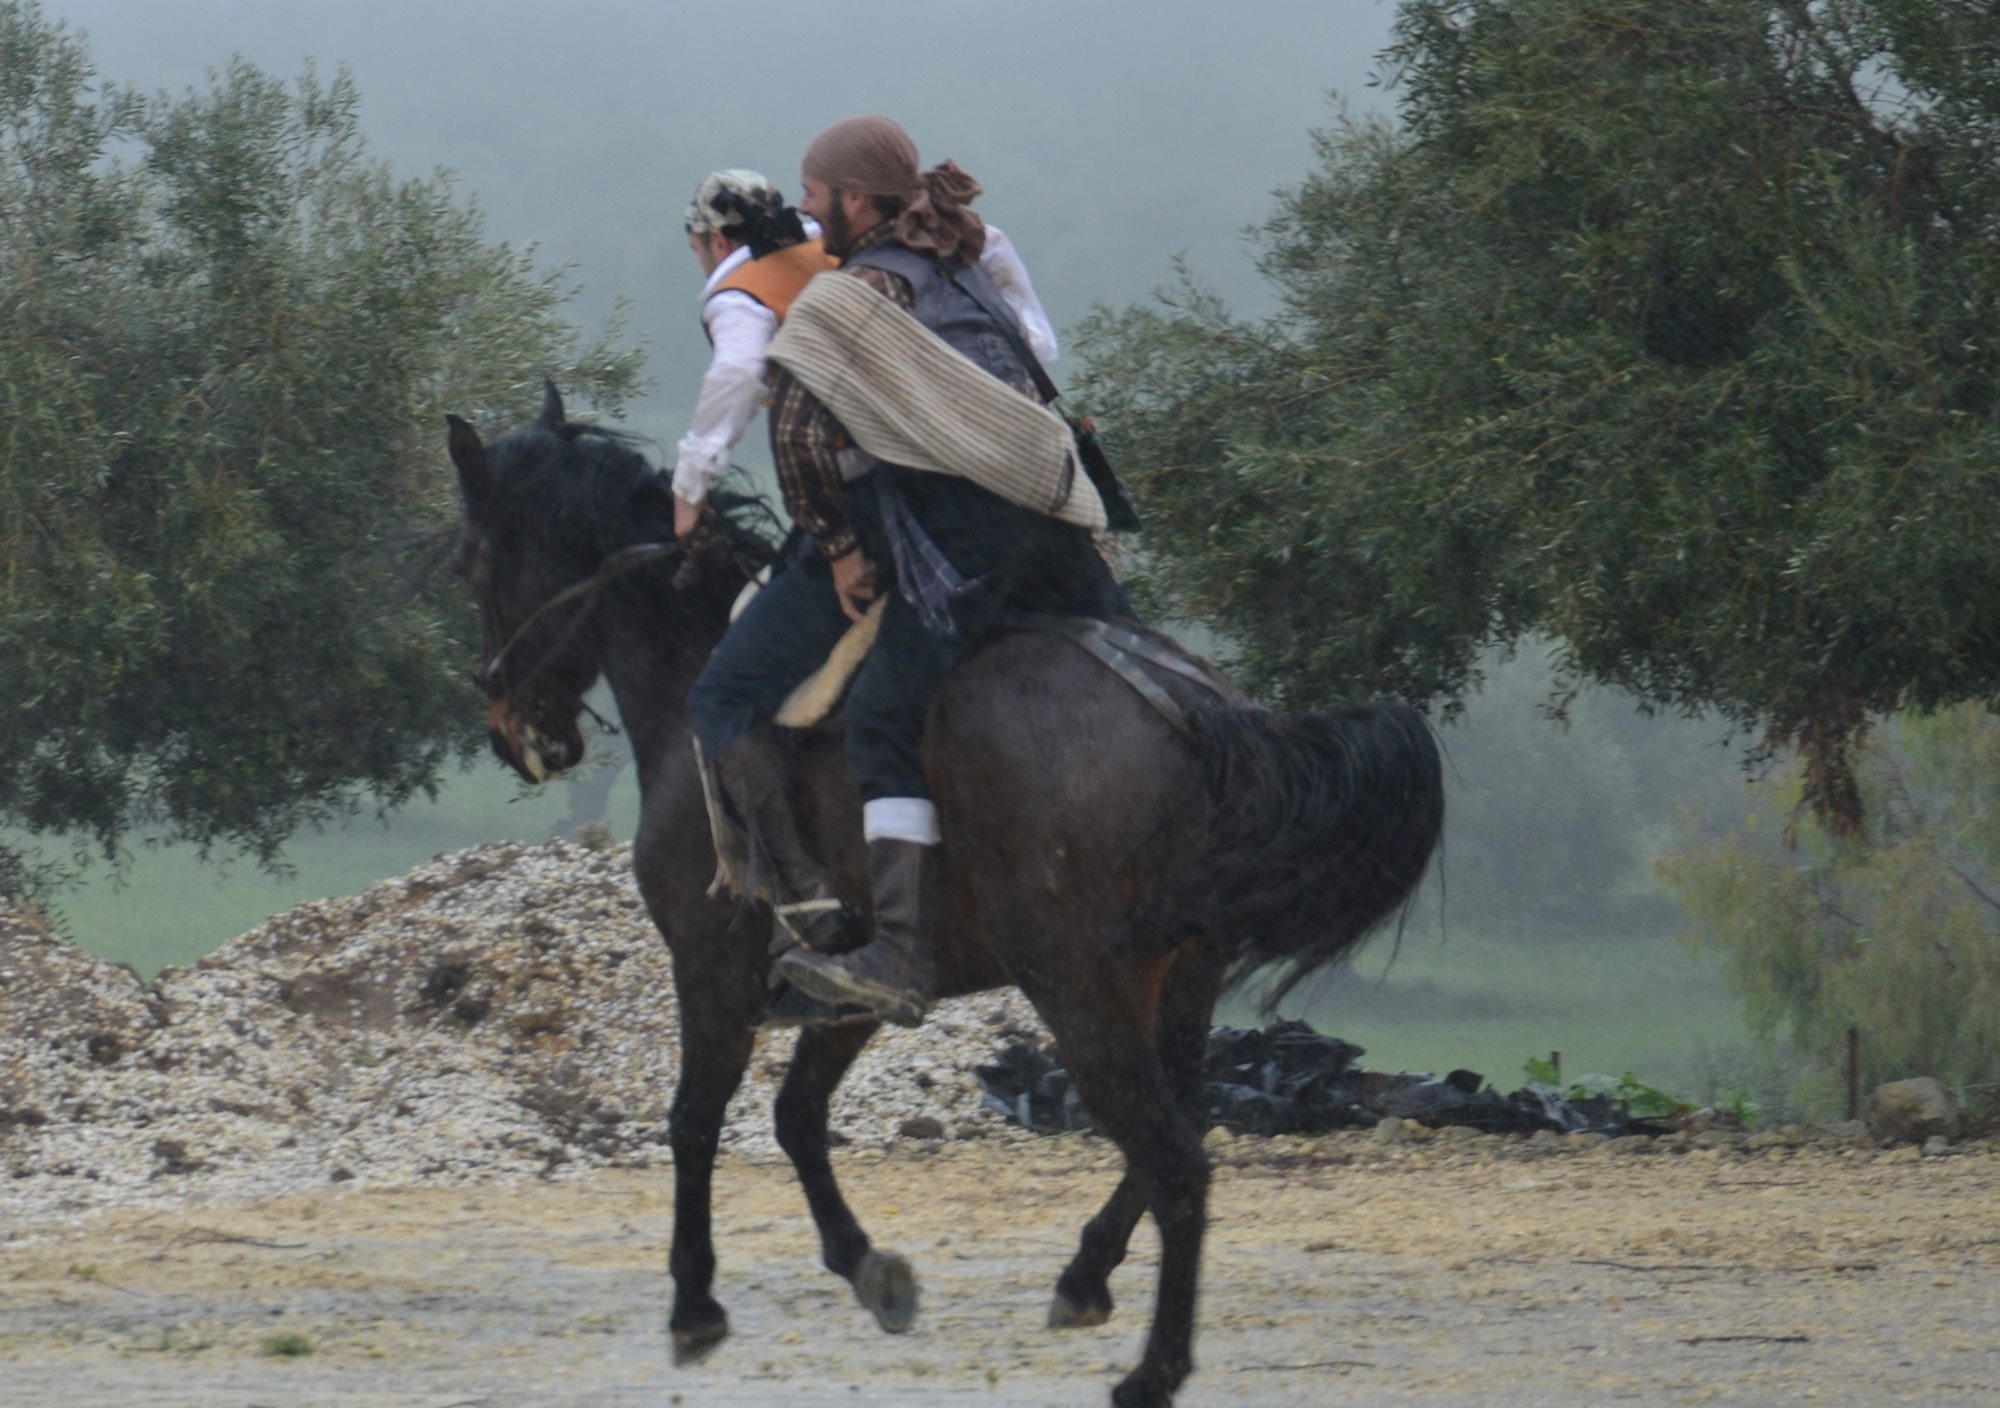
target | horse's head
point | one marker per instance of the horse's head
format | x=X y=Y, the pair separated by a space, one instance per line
x=555 y=518
x=522 y=545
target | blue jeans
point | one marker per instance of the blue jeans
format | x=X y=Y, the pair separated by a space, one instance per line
x=786 y=633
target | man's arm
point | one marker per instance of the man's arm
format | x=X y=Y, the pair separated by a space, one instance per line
x=1003 y=266
x=731 y=390
x=806 y=443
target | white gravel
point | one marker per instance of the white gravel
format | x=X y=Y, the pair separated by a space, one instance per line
x=502 y=1012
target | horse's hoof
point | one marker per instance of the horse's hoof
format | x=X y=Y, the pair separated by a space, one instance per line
x=697 y=1335
x=885 y=1284
x=1068 y=1313
x=1141 y=1391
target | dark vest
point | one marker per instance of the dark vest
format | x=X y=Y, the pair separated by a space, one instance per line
x=949 y=312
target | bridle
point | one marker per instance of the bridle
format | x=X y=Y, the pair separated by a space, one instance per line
x=615 y=564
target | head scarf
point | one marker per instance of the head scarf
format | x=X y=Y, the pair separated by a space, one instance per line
x=873 y=156
x=747 y=208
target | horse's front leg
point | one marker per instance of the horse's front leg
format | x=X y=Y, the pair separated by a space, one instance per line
x=716 y=1041
x=882 y=1281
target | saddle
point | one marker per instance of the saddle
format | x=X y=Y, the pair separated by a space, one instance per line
x=1121 y=648
x=814 y=699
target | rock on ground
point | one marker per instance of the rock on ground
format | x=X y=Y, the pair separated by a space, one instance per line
x=1912 y=1111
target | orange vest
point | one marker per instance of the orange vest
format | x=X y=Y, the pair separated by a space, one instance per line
x=775 y=280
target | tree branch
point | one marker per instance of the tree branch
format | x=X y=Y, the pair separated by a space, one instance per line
x=1972 y=885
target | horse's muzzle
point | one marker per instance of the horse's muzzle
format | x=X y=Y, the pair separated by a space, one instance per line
x=535 y=753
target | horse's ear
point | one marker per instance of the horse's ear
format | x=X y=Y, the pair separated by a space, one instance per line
x=469 y=454
x=552 y=408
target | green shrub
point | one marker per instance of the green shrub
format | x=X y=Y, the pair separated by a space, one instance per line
x=1895 y=933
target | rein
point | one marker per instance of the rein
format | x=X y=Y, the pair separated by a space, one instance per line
x=615 y=564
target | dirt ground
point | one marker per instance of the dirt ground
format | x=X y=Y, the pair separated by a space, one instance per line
x=1486 y=1272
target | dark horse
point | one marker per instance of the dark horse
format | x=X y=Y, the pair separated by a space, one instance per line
x=1117 y=867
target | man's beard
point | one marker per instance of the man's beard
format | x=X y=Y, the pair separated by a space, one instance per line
x=836 y=236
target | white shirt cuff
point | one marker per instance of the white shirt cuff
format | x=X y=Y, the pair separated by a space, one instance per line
x=699 y=462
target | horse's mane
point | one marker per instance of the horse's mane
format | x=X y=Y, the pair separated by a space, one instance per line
x=590 y=491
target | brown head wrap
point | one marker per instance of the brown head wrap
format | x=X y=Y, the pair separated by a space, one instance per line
x=874 y=157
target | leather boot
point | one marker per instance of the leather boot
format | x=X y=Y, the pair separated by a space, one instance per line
x=894 y=974
x=755 y=774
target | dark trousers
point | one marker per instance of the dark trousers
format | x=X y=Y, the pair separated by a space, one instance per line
x=1021 y=560
x=785 y=634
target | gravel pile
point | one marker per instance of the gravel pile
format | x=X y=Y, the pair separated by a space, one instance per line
x=498 y=1013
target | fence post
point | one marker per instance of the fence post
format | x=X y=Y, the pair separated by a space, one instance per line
x=1854 y=1073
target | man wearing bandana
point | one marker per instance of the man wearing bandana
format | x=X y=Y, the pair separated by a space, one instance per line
x=948 y=556
x=756 y=254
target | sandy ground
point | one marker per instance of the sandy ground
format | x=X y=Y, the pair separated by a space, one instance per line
x=1339 y=1272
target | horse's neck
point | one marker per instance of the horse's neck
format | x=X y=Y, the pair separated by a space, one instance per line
x=651 y=660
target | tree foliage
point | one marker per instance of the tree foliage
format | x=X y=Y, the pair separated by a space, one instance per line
x=1897 y=936
x=227 y=340
x=1664 y=329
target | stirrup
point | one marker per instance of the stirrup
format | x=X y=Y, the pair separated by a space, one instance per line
x=789 y=1007
x=796 y=919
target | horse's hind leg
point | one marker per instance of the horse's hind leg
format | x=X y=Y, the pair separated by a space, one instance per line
x=882 y=1281
x=713 y=1059
x=1083 y=1292
x=1125 y=1086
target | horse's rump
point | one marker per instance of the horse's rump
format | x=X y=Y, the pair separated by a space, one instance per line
x=1318 y=829
x=1279 y=838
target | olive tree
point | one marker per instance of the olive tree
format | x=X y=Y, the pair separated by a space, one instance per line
x=227 y=341
x=1664 y=330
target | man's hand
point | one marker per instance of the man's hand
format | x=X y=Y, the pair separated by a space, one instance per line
x=686 y=515
x=853 y=583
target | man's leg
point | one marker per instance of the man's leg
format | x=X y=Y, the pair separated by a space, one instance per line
x=783 y=635
x=893 y=975
x=781 y=638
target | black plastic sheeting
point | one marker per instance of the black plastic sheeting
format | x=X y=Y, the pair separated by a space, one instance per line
x=1289 y=1079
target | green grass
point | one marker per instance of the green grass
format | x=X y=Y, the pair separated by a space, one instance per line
x=1643 y=1004
x=167 y=909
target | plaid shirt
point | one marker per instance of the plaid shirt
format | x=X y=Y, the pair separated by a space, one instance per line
x=806 y=440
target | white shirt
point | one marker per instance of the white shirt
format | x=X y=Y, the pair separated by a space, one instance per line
x=1000 y=263
x=741 y=329
x=732 y=389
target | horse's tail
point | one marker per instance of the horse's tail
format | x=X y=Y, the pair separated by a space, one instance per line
x=1317 y=828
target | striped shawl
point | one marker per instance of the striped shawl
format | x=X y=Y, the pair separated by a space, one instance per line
x=908 y=399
